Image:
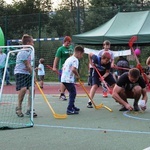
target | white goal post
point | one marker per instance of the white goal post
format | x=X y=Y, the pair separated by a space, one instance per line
x=8 y=93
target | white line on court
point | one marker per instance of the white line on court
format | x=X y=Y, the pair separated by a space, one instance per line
x=148 y=148
x=91 y=129
x=133 y=117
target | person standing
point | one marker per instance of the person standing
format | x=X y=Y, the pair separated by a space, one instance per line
x=69 y=73
x=7 y=76
x=41 y=72
x=103 y=64
x=90 y=70
x=23 y=75
x=130 y=85
x=106 y=48
x=123 y=63
x=63 y=52
x=2 y=64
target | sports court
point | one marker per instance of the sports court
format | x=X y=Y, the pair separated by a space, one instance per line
x=92 y=129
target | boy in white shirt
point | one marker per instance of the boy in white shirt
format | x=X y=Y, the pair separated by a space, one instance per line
x=41 y=72
x=69 y=72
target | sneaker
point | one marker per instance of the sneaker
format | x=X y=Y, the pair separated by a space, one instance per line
x=72 y=112
x=105 y=94
x=136 y=108
x=123 y=109
x=28 y=112
x=89 y=105
x=76 y=109
x=63 y=97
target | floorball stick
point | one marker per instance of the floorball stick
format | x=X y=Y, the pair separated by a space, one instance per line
x=57 y=116
x=102 y=80
x=131 y=42
x=48 y=66
x=96 y=106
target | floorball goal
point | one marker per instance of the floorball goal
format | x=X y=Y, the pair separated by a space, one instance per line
x=8 y=93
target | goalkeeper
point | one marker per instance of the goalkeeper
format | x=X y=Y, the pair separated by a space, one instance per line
x=23 y=71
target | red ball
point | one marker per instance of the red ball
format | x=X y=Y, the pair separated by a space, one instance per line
x=137 y=51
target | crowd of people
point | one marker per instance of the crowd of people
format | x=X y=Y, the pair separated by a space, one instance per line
x=128 y=84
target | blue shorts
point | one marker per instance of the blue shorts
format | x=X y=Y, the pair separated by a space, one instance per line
x=109 y=79
x=23 y=80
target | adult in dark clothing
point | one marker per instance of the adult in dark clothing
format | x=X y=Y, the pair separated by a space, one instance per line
x=130 y=85
x=123 y=63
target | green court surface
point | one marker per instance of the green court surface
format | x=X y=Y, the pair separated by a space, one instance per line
x=91 y=129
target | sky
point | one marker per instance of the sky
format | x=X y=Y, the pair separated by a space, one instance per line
x=8 y=1
x=56 y=2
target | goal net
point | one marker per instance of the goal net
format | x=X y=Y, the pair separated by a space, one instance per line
x=8 y=93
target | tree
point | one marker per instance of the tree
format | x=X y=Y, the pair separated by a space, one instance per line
x=2 y=7
x=100 y=12
x=76 y=8
x=27 y=16
x=61 y=22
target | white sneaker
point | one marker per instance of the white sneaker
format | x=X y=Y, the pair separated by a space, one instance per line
x=63 y=97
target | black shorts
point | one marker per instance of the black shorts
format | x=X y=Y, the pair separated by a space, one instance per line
x=41 y=78
x=129 y=87
x=23 y=80
x=109 y=79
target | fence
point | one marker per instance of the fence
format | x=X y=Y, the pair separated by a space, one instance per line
x=45 y=25
x=47 y=52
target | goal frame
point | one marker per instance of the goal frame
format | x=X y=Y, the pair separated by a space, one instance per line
x=23 y=47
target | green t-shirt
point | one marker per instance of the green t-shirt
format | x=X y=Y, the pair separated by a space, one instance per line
x=63 y=53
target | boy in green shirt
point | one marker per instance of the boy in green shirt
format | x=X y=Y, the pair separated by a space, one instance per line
x=63 y=52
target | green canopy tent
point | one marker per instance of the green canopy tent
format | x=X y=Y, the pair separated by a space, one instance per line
x=1 y=37
x=119 y=30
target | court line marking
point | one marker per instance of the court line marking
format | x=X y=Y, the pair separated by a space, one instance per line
x=133 y=117
x=148 y=148
x=92 y=129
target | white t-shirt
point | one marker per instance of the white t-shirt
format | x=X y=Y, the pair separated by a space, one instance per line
x=41 y=71
x=20 y=66
x=67 y=74
x=2 y=60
